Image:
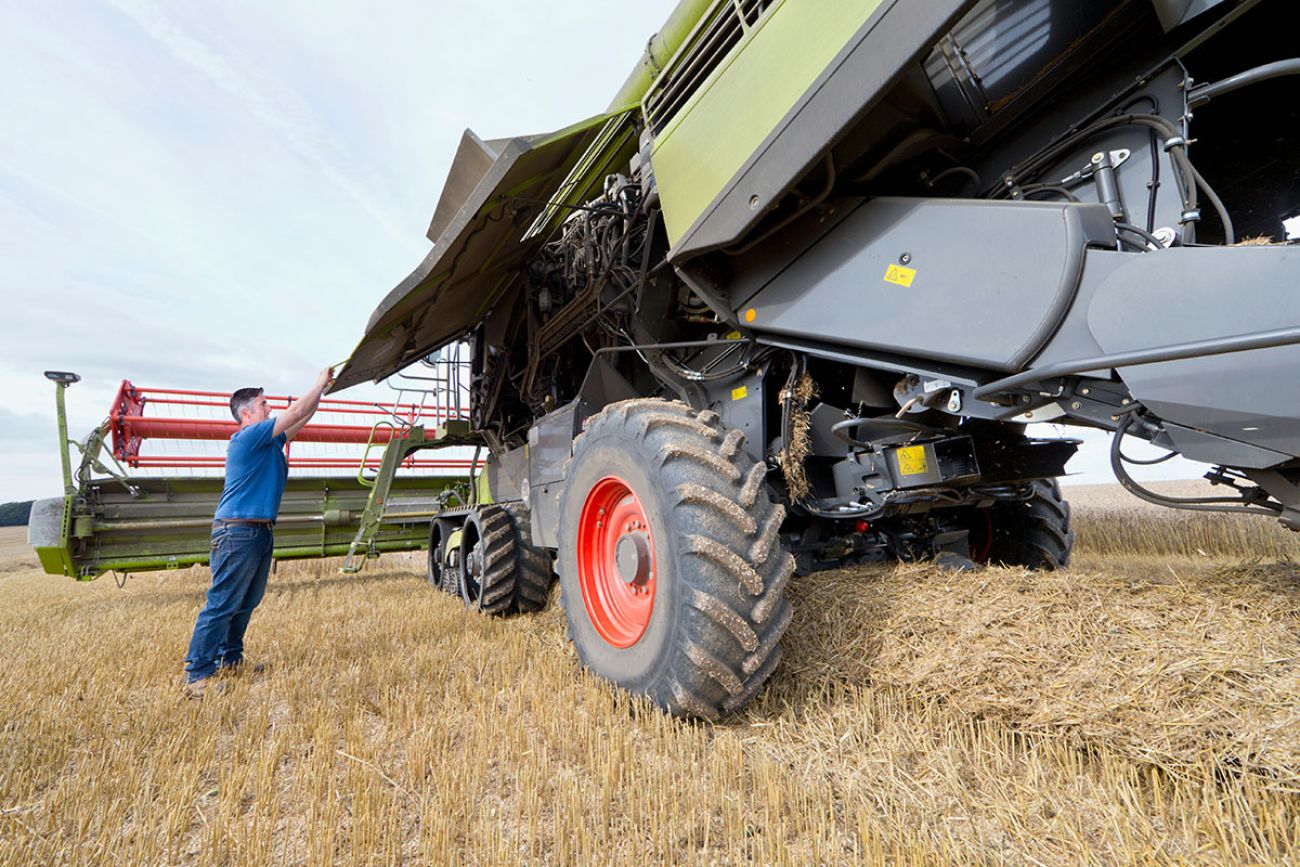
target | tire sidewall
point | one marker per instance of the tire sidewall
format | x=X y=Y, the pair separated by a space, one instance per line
x=619 y=453
x=435 y=563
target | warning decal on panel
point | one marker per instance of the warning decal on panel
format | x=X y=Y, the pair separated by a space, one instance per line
x=900 y=276
x=739 y=393
x=911 y=461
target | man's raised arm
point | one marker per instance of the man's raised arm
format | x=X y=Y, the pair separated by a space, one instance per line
x=301 y=410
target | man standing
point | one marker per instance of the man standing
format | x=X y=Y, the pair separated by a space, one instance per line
x=256 y=469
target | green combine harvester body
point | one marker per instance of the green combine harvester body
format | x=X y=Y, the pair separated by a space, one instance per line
x=794 y=300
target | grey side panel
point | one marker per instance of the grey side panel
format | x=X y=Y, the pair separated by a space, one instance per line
x=1207 y=448
x=45 y=525
x=506 y=474
x=897 y=34
x=992 y=281
x=1187 y=294
x=550 y=445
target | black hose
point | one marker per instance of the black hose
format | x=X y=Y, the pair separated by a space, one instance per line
x=1153 y=185
x=840 y=428
x=1201 y=95
x=1238 y=505
x=957 y=170
x=1142 y=233
x=1059 y=190
x=1229 y=235
x=1184 y=176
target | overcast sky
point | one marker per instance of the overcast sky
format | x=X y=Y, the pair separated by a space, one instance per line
x=217 y=194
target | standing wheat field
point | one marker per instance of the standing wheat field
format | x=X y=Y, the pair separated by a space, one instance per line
x=1141 y=707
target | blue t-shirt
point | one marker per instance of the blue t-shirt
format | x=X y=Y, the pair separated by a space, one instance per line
x=255 y=472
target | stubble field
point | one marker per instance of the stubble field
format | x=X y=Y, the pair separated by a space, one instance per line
x=1142 y=707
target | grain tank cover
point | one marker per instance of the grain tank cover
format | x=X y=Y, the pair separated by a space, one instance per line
x=491 y=197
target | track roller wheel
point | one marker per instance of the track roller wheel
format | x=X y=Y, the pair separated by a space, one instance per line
x=671 y=571
x=488 y=560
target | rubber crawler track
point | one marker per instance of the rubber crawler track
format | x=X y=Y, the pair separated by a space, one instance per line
x=500 y=554
x=534 y=575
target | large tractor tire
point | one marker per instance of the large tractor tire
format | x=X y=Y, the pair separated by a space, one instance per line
x=535 y=570
x=1035 y=532
x=488 y=561
x=671 y=571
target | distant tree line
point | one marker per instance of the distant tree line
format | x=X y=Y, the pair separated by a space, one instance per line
x=15 y=514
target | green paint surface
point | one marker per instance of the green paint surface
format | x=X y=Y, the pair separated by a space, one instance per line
x=744 y=99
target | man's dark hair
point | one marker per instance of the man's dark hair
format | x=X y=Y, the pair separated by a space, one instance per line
x=243 y=399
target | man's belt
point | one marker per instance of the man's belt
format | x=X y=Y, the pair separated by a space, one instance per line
x=255 y=521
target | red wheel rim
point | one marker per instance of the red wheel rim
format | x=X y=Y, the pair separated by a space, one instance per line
x=616 y=567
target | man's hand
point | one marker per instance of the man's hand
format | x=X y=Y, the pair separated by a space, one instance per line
x=301 y=410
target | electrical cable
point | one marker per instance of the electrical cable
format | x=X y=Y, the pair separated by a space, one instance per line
x=1175 y=145
x=957 y=170
x=797 y=367
x=808 y=206
x=1030 y=190
x=1142 y=233
x=1237 y=505
x=1229 y=236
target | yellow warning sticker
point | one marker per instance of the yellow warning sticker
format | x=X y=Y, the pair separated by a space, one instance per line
x=911 y=461
x=739 y=393
x=900 y=276
x=734 y=335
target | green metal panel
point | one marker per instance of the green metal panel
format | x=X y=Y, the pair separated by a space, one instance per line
x=658 y=51
x=744 y=99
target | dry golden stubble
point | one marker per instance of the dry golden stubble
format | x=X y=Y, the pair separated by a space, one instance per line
x=1140 y=709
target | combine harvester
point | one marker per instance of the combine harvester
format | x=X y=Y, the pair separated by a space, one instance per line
x=791 y=301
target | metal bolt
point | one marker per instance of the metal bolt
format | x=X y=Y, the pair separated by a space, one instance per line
x=1125 y=402
x=1085 y=391
x=1114 y=418
x=1076 y=405
x=753 y=202
x=905 y=258
x=1029 y=414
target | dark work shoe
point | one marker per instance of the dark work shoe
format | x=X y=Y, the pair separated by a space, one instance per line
x=241 y=668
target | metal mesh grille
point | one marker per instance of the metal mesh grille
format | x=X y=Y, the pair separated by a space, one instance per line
x=719 y=31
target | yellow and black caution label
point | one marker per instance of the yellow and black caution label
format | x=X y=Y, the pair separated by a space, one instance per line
x=911 y=461
x=739 y=393
x=900 y=275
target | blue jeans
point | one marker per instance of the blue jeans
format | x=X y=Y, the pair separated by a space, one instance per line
x=241 y=560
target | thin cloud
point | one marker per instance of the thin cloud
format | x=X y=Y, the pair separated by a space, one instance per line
x=273 y=104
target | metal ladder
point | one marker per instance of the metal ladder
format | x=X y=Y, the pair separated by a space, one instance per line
x=407 y=438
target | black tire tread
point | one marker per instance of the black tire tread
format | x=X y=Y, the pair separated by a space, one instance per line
x=497 y=582
x=1035 y=533
x=535 y=572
